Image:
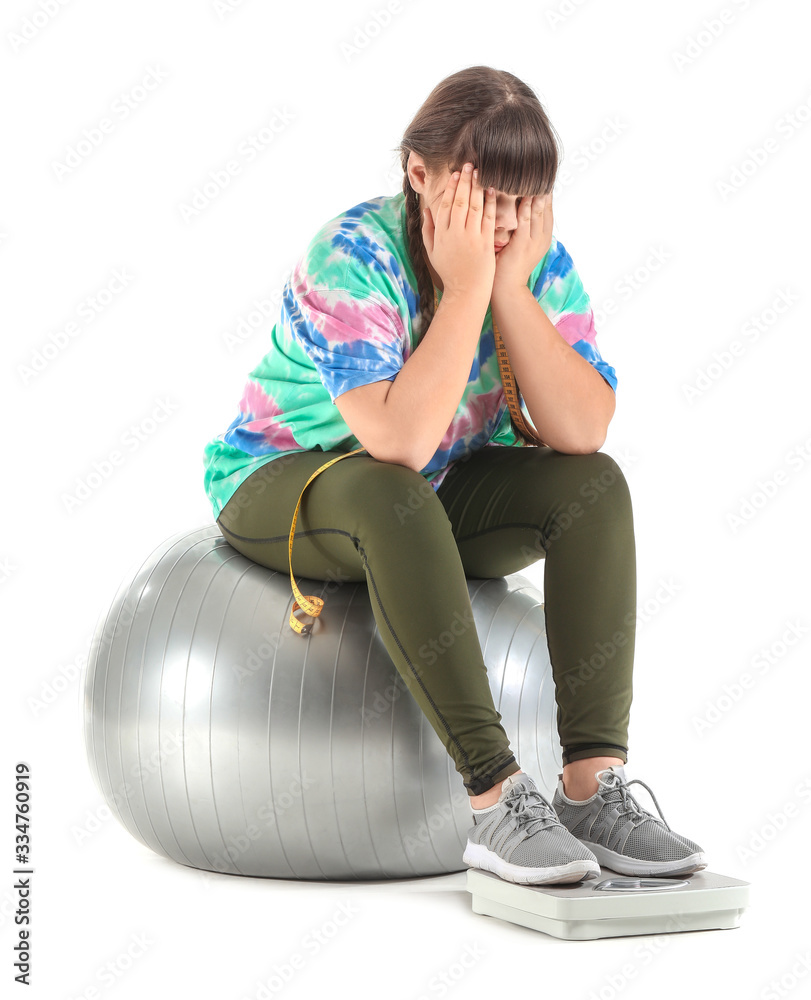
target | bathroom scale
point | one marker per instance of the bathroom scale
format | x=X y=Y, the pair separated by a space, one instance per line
x=613 y=905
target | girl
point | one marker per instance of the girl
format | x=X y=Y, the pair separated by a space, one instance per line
x=386 y=355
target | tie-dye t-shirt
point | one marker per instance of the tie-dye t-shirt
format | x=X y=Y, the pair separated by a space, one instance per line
x=348 y=317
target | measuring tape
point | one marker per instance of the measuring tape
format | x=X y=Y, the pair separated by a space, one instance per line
x=313 y=605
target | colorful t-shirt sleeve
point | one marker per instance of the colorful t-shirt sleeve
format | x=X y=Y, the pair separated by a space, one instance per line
x=560 y=291
x=351 y=333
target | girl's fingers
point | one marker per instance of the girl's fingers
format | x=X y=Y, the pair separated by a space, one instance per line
x=462 y=199
x=547 y=215
x=489 y=214
x=476 y=200
x=485 y=205
x=443 y=216
x=538 y=215
x=427 y=229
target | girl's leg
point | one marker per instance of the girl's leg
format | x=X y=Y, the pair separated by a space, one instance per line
x=365 y=520
x=508 y=508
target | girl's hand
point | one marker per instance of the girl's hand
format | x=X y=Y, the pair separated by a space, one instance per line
x=459 y=241
x=528 y=245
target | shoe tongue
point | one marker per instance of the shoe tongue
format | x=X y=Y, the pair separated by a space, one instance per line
x=608 y=782
x=539 y=810
x=516 y=779
x=527 y=782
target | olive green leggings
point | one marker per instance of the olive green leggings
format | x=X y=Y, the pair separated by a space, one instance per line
x=495 y=513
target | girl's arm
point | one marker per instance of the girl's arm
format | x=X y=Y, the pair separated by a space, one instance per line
x=569 y=402
x=404 y=421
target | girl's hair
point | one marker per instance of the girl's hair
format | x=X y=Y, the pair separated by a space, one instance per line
x=493 y=119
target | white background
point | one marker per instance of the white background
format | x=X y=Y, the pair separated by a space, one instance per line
x=679 y=144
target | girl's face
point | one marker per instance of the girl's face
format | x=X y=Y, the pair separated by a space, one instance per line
x=506 y=205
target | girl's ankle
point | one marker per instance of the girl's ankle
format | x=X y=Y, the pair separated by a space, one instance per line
x=495 y=791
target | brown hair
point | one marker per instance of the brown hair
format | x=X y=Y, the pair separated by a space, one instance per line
x=491 y=118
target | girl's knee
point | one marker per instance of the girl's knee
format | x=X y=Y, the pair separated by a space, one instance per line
x=392 y=487
x=585 y=479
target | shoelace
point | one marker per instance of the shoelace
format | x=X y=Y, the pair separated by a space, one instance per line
x=629 y=803
x=529 y=814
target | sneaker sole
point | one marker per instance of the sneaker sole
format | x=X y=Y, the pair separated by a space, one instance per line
x=624 y=865
x=478 y=856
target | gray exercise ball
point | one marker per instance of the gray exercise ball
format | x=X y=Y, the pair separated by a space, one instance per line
x=224 y=740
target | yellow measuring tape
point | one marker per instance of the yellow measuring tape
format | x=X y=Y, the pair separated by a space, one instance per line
x=313 y=605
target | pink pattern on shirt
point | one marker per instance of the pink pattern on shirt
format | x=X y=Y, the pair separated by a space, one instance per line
x=350 y=319
x=266 y=413
x=577 y=326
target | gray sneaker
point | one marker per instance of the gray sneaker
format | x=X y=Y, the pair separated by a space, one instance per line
x=623 y=836
x=522 y=840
